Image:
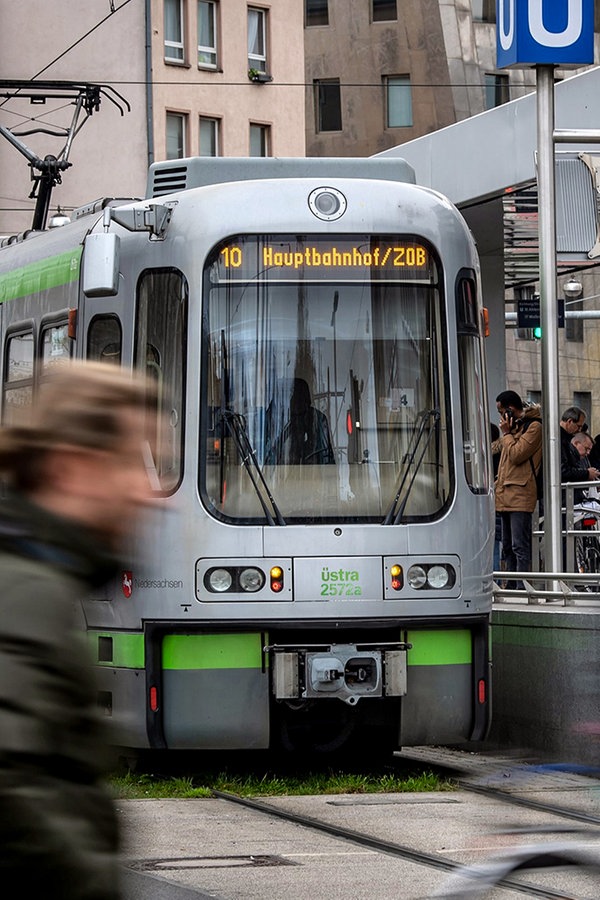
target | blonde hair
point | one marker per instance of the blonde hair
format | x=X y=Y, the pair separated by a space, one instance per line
x=82 y=405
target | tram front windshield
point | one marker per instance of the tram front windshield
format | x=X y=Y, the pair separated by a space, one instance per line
x=324 y=380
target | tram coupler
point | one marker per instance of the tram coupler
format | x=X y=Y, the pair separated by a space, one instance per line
x=347 y=672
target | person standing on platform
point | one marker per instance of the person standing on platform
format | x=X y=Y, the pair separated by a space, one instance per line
x=516 y=487
x=594 y=455
x=584 y=444
x=496 y=451
x=572 y=421
x=75 y=481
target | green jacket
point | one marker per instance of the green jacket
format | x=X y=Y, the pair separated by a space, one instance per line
x=58 y=834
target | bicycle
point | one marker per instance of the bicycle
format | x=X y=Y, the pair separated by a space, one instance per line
x=505 y=868
x=586 y=517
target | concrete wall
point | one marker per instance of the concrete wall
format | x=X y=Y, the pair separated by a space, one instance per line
x=361 y=53
x=546 y=682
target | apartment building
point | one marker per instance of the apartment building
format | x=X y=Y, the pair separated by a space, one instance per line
x=382 y=72
x=200 y=77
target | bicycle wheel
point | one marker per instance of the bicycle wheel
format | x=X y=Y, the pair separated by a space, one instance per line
x=525 y=866
x=587 y=551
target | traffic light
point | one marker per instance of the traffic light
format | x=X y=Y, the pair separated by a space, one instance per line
x=537 y=332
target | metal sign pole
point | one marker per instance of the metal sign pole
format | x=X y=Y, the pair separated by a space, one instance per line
x=549 y=318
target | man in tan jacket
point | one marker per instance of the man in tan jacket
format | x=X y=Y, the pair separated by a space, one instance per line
x=516 y=488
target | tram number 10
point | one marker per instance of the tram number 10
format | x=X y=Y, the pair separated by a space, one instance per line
x=232 y=257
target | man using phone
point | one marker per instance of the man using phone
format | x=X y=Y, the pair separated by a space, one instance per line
x=516 y=487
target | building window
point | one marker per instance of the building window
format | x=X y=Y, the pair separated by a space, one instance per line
x=583 y=399
x=484 y=11
x=316 y=12
x=328 y=105
x=497 y=90
x=384 y=11
x=398 y=101
x=208 y=137
x=173 y=25
x=207 y=34
x=534 y=397
x=257 y=39
x=259 y=140
x=176 y=129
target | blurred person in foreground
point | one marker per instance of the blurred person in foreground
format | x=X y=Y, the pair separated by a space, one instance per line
x=75 y=480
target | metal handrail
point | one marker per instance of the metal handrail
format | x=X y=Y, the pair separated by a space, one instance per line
x=555 y=586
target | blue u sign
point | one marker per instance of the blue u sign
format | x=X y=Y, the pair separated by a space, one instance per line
x=545 y=32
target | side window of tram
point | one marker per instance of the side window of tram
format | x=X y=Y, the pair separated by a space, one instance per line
x=55 y=350
x=18 y=376
x=160 y=353
x=475 y=437
x=105 y=339
x=55 y=347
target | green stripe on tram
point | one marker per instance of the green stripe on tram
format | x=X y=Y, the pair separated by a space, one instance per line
x=440 y=648
x=212 y=651
x=244 y=651
x=127 y=649
x=55 y=271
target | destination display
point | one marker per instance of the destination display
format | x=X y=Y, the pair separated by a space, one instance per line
x=251 y=258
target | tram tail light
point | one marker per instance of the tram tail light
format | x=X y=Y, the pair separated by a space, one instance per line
x=72 y=324
x=153 y=698
x=481 y=690
x=486 y=321
x=276 y=576
x=397 y=577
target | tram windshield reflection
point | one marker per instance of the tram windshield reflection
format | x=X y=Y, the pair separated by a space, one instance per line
x=331 y=371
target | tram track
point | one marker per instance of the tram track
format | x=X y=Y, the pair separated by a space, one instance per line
x=412 y=854
x=466 y=780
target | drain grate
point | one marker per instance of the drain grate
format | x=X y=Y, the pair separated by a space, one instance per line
x=177 y=863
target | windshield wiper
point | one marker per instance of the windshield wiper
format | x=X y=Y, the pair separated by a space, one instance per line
x=236 y=424
x=395 y=512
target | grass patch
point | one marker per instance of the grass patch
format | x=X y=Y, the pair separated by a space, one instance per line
x=145 y=786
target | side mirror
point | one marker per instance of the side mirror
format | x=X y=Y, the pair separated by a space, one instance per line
x=101 y=265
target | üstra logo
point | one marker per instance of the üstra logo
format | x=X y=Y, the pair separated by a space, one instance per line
x=537 y=29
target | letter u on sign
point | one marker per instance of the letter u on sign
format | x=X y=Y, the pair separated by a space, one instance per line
x=545 y=32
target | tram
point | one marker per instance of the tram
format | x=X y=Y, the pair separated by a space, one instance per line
x=316 y=571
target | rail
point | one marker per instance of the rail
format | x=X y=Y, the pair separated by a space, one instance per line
x=579 y=585
x=568 y=588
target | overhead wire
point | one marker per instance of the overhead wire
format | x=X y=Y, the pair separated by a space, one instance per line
x=113 y=11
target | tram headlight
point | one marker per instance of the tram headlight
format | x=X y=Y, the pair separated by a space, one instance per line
x=438 y=577
x=251 y=580
x=416 y=577
x=431 y=576
x=327 y=203
x=220 y=580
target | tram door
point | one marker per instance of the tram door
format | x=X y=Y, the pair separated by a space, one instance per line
x=144 y=327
